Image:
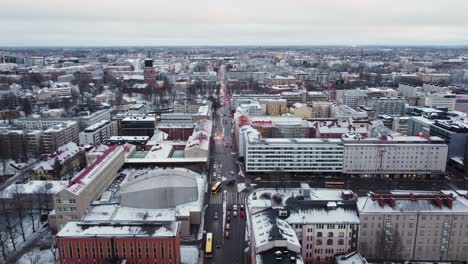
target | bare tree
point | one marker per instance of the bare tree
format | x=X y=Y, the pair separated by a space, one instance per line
x=53 y=247
x=20 y=208
x=9 y=227
x=33 y=257
x=4 y=245
x=31 y=206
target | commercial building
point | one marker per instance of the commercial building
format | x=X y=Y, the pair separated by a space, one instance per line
x=126 y=242
x=399 y=156
x=293 y=155
x=415 y=226
x=137 y=126
x=341 y=111
x=72 y=202
x=400 y=125
x=58 y=135
x=176 y=131
x=98 y=133
x=444 y=101
x=122 y=140
x=455 y=135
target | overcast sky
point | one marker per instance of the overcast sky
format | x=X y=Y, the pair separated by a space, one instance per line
x=234 y=22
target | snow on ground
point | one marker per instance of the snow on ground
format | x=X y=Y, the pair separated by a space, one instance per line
x=240 y=187
x=224 y=210
x=189 y=254
x=37 y=256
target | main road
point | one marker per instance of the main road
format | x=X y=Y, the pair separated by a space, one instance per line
x=225 y=249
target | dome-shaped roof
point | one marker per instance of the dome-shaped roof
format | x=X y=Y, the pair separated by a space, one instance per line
x=163 y=188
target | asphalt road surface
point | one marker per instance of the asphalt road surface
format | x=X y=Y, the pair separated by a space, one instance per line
x=230 y=250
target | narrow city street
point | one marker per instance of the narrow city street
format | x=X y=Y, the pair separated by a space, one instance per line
x=228 y=245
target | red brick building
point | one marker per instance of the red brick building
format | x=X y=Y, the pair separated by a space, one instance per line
x=80 y=242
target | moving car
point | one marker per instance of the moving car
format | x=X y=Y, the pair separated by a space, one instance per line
x=228 y=226
x=226 y=234
x=234 y=213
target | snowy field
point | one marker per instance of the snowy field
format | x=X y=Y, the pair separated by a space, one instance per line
x=37 y=256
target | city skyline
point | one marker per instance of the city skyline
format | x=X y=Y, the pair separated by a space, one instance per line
x=207 y=22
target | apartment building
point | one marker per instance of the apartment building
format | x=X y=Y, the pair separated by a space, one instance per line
x=58 y=135
x=137 y=126
x=416 y=226
x=321 y=109
x=19 y=143
x=325 y=221
x=72 y=202
x=398 y=156
x=354 y=98
x=387 y=105
x=98 y=133
x=274 y=107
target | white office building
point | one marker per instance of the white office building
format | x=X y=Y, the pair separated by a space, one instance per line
x=294 y=155
x=98 y=133
x=441 y=101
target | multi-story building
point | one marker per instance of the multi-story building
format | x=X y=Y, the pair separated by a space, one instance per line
x=293 y=97
x=416 y=226
x=398 y=156
x=316 y=97
x=441 y=101
x=461 y=103
x=325 y=221
x=66 y=158
x=408 y=90
x=321 y=109
x=176 y=131
x=98 y=133
x=293 y=155
x=354 y=98
x=252 y=108
x=387 y=105
x=137 y=126
x=89 y=119
x=336 y=129
x=72 y=202
x=19 y=143
x=400 y=125
x=58 y=135
x=301 y=110
x=274 y=107
x=455 y=134
x=341 y=111
x=94 y=242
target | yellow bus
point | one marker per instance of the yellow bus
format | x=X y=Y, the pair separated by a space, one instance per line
x=209 y=245
x=216 y=187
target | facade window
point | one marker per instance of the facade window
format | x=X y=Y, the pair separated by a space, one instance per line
x=341 y=234
x=162 y=249
x=318 y=242
x=319 y=234
x=329 y=242
x=340 y=242
x=330 y=234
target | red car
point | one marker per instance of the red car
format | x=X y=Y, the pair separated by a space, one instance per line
x=241 y=213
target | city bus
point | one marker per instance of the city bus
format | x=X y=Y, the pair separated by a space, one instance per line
x=209 y=245
x=337 y=185
x=216 y=187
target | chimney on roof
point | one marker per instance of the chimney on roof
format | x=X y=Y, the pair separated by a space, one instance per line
x=381 y=201
x=438 y=202
x=391 y=202
x=449 y=202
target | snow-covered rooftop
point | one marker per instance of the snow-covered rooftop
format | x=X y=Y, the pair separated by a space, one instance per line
x=116 y=229
x=63 y=153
